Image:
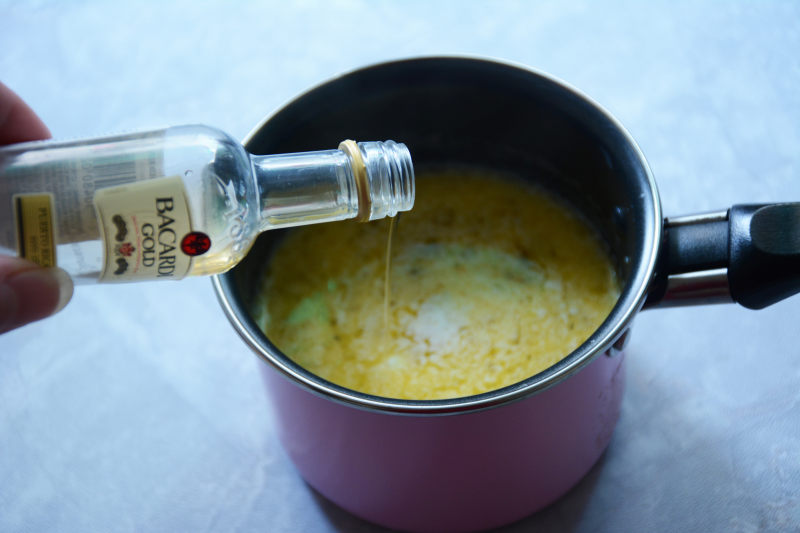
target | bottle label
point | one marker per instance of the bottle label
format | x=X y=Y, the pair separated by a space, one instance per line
x=33 y=214
x=71 y=174
x=143 y=225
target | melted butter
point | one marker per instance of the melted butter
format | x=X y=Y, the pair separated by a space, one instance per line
x=491 y=282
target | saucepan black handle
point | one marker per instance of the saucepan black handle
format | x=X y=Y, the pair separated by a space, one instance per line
x=749 y=254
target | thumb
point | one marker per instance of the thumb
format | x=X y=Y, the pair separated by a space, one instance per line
x=29 y=292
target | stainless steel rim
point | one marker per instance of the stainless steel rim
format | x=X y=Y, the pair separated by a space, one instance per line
x=530 y=386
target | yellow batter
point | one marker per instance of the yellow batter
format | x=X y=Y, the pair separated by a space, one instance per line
x=492 y=281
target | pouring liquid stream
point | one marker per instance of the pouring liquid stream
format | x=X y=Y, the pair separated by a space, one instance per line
x=387 y=289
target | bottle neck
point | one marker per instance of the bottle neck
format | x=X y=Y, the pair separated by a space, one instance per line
x=368 y=181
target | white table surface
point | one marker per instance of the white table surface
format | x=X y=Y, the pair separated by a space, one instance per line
x=137 y=408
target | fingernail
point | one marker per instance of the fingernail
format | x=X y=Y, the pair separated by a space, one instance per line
x=65 y=287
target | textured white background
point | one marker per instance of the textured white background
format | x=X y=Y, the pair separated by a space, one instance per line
x=138 y=409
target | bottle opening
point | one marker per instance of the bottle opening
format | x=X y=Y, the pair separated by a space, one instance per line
x=390 y=178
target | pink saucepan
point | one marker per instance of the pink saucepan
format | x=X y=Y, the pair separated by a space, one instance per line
x=482 y=461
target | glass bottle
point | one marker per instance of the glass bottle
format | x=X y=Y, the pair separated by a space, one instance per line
x=181 y=201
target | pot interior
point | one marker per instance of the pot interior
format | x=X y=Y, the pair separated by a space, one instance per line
x=483 y=115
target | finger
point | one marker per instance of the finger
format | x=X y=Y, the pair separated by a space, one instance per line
x=18 y=122
x=29 y=292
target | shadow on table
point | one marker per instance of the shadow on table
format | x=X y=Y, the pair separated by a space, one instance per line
x=561 y=516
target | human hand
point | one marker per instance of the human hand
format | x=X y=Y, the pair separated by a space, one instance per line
x=28 y=292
